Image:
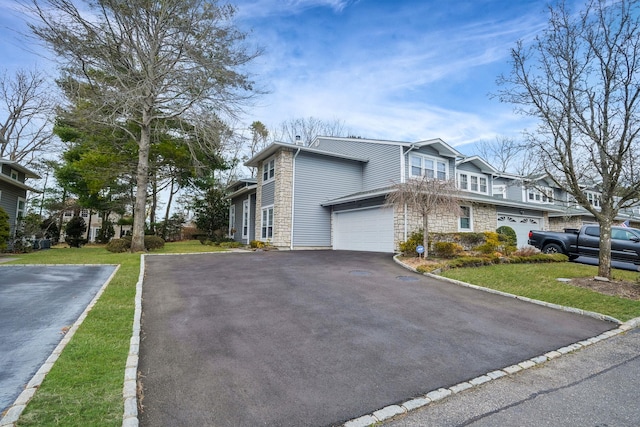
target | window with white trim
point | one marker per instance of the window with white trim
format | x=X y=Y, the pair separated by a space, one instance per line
x=84 y=213
x=466 y=223
x=232 y=220
x=245 y=219
x=593 y=198
x=268 y=170
x=429 y=167
x=539 y=195
x=20 y=208
x=14 y=174
x=475 y=183
x=267 y=223
x=500 y=191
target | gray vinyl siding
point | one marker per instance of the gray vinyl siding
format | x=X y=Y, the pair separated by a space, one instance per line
x=268 y=193
x=6 y=170
x=318 y=179
x=9 y=201
x=383 y=167
x=238 y=202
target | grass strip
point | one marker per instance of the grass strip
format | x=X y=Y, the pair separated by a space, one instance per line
x=84 y=387
x=539 y=281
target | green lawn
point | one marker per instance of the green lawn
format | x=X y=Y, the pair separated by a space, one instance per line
x=538 y=281
x=84 y=388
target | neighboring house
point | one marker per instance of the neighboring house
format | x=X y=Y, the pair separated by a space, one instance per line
x=93 y=220
x=331 y=194
x=13 y=190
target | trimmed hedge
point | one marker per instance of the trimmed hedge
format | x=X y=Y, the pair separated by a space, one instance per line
x=479 y=261
x=124 y=244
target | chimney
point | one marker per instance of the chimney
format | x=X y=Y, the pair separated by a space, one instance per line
x=299 y=140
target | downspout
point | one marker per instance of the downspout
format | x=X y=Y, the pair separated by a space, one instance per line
x=293 y=194
x=403 y=179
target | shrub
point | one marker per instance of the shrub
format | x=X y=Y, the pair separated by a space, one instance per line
x=230 y=244
x=469 y=261
x=428 y=268
x=153 y=242
x=491 y=243
x=106 y=233
x=119 y=245
x=526 y=251
x=447 y=249
x=4 y=230
x=74 y=230
x=257 y=244
x=408 y=248
x=471 y=239
x=508 y=239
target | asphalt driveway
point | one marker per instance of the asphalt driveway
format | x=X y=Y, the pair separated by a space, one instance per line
x=36 y=303
x=320 y=337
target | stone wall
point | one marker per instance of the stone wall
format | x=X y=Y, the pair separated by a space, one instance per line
x=560 y=223
x=283 y=198
x=484 y=219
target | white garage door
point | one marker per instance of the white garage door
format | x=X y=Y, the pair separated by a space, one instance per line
x=364 y=230
x=521 y=224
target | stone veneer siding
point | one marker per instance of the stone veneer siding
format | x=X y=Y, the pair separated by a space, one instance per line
x=560 y=223
x=282 y=200
x=484 y=218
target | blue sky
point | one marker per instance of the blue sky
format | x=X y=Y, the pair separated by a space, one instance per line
x=397 y=69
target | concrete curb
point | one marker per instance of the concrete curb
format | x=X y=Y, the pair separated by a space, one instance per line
x=14 y=411
x=442 y=393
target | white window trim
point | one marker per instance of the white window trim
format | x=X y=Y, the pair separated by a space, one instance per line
x=500 y=189
x=477 y=175
x=541 y=191
x=470 y=218
x=262 y=224
x=435 y=161
x=232 y=219
x=266 y=165
x=23 y=210
x=14 y=172
x=593 y=196
x=246 y=213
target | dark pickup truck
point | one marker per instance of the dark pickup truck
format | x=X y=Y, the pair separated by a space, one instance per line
x=625 y=242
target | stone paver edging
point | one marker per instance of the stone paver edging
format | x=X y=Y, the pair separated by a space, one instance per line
x=442 y=393
x=14 y=411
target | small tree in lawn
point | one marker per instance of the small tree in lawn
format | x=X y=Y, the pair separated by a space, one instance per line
x=426 y=196
x=5 y=232
x=74 y=230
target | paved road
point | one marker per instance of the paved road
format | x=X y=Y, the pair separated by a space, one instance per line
x=597 y=386
x=36 y=303
x=320 y=337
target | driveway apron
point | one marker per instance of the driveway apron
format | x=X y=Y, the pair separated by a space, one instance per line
x=320 y=337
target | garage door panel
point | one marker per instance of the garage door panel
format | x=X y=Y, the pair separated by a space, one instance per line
x=521 y=224
x=364 y=230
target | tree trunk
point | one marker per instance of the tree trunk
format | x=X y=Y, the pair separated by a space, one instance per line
x=604 y=259
x=89 y=225
x=425 y=235
x=142 y=178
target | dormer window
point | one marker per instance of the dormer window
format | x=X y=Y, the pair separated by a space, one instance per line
x=268 y=170
x=473 y=182
x=429 y=167
x=593 y=198
x=539 y=195
x=14 y=174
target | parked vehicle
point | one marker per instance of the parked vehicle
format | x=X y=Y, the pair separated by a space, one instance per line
x=625 y=242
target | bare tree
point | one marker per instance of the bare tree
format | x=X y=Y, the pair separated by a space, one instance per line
x=508 y=155
x=580 y=79
x=25 y=121
x=426 y=196
x=148 y=62
x=307 y=129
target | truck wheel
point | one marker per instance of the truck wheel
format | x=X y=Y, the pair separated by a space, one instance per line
x=552 y=248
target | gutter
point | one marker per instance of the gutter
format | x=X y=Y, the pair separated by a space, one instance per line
x=293 y=194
